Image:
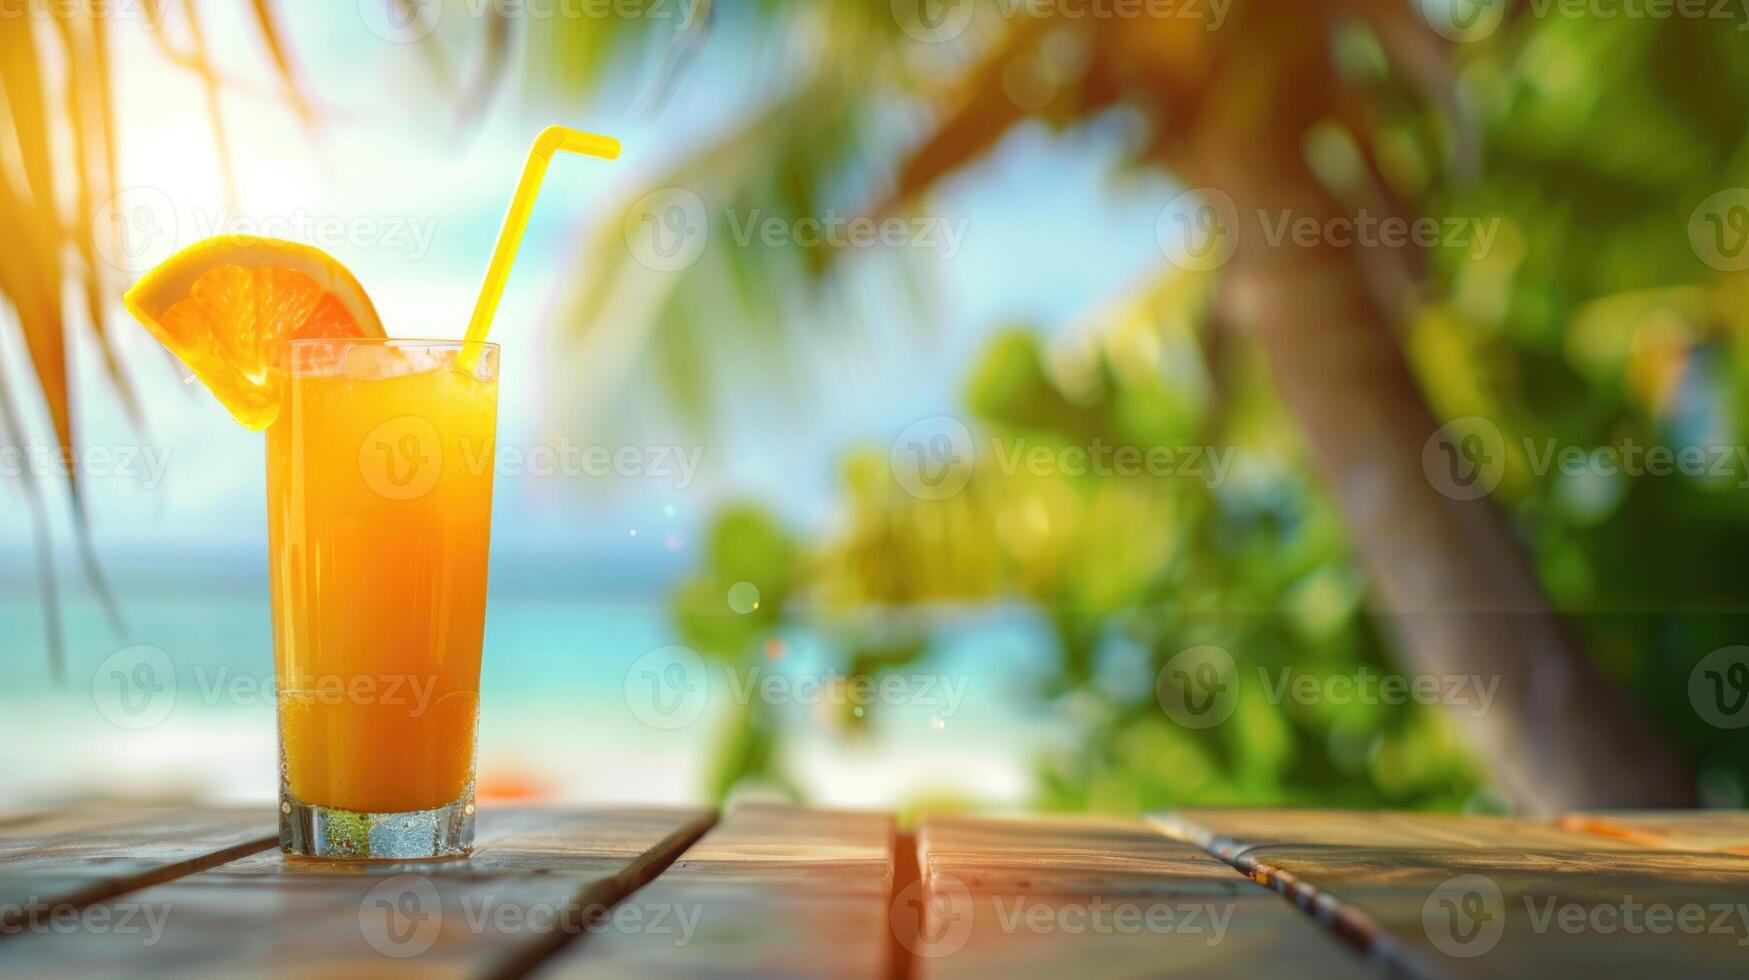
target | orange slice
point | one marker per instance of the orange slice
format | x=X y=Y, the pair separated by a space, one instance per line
x=220 y=305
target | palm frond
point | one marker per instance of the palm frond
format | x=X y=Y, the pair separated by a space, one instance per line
x=92 y=127
x=267 y=25
x=49 y=251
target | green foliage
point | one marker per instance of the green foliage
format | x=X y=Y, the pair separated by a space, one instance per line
x=1127 y=571
x=1589 y=321
x=1594 y=322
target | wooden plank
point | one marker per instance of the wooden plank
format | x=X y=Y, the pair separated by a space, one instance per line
x=529 y=888
x=54 y=863
x=1233 y=830
x=1061 y=897
x=771 y=890
x=1445 y=895
x=1726 y=831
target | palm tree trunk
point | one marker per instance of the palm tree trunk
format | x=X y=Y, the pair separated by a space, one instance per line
x=1448 y=575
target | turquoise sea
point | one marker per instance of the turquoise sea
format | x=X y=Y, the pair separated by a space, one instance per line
x=179 y=703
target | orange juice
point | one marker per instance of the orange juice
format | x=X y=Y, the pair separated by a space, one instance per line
x=379 y=490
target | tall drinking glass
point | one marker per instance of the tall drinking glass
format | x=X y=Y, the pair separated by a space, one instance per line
x=379 y=502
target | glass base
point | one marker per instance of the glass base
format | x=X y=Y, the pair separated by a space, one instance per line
x=308 y=830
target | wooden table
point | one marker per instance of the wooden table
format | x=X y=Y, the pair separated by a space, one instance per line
x=769 y=890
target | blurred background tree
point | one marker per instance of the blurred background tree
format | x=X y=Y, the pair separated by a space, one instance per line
x=1311 y=111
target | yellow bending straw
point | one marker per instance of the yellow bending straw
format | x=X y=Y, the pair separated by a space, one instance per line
x=551 y=140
